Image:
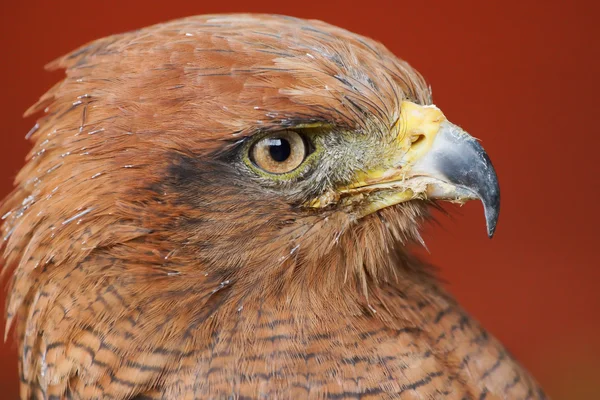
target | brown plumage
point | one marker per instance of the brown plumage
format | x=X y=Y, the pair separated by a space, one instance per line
x=150 y=259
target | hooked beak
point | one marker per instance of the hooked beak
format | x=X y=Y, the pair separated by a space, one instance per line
x=431 y=159
x=460 y=170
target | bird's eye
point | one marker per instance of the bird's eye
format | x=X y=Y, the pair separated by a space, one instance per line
x=279 y=153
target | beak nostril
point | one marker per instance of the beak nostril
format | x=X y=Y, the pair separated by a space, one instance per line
x=416 y=139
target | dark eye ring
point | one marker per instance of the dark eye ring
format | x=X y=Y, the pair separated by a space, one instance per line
x=279 y=152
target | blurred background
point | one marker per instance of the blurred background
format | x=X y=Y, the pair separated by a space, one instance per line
x=520 y=75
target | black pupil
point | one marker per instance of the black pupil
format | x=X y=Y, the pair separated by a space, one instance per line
x=279 y=149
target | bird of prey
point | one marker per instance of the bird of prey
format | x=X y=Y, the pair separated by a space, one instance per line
x=221 y=207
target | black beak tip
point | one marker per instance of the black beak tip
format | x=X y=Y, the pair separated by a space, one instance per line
x=491 y=207
x=491 y=229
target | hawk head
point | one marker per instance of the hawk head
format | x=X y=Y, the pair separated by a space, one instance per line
x=249 y=149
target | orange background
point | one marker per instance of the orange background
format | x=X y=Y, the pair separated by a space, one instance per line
x=520 y=75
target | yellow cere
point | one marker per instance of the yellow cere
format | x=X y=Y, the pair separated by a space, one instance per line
x=417 y=128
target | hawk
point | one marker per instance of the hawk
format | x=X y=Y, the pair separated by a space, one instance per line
x=222 y=207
